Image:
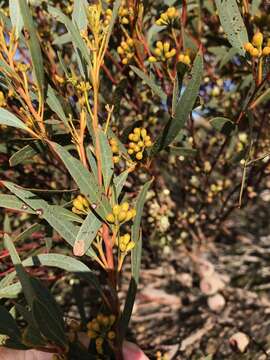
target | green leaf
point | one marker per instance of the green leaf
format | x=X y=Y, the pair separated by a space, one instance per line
x=84 y=179
x=232 y=23
x=7 y=118
x=119 y=182
x=26 y=153
x=73 y=30
x=87 y=233
x=135 y=231
x=55 y=105
x=155 y=88
x=183 y=109
x=92 y=162
x=34 y=47
x=78 y=15
x=15 y=17
x=47 y=324
x=28 y=232
x=107 y=165
x=115 y=11
x=32 y=337
x=222 y=124
x=50 y=213
x=8 y=325
x=127 y=311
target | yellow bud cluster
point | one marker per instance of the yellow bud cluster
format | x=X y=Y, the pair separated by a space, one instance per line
x=126 y=50
x=162 y=52
x=107 y=17
x=80 y=205
x=100 y=330
x=124 y=13
x=168 y=17
x=139 y=140
x=125 y=244
x=93 y=15
x=3 y=102
x=115 y=150
x=22 y=67
x=184 y=58
x=83 y=86
x=255 y=48
x=121 y=213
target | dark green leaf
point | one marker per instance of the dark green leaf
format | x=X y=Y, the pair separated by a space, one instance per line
x=26 y=153
x=7 y=118
x=8 y=325
x=224 y=125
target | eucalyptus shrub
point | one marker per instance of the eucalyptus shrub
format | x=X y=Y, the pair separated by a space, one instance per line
x=91 y=94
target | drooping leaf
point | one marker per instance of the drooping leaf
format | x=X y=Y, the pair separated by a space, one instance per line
x=7 y=118
x=232 y=23
x=183 y=109
x=79 y=15
x=25 y=153
x=107 y=166
x=222 y=124
x=55 y=105
x=8 y=325
x=15 y=16
x=87 y=233
x=30 y=33
x=135 y=231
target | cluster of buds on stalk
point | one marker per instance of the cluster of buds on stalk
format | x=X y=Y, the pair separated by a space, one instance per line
x=162 y=52
x=121 y=214
x=139 y=141
x=100 y=330
x=168 y=17
x=115 y=151
x=255 y=48
x=126 y=50
x=184 y=58
x=81 y=205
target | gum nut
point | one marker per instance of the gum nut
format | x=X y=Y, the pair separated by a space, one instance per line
x=206 y=268
x=216 y=302
x=239 y=342
x=210 y=285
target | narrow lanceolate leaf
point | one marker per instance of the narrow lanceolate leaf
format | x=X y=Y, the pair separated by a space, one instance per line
x=34 y=47
x=15 y=17
x=84 y=179
x=135 y=231
x=79 y=14
x=73 y=30
x=51 y=214
x=119 y=182
x=183 y=108
x=87 y=233
x=26 y=234
x=24 y=154
x=127 y=312
x=12 y=202
x=232 y=23
x=115 y=11
x=7 y=118
x=8 y=325
x=106 y=159
x=222 y=124
x=47 y=324
x=155 y=88
x=55 y=105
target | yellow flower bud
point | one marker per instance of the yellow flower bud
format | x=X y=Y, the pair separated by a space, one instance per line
x=110 y=218
x=139 y=156
x=136 y=148
x=254 y=52
x=125 y=206
x=148 y=143
x=137 y=131
x=116 y=209
x=130 y=246
x=126 y=238
x=266 y=51
x=111 y=335
x=120 y=50
x=91 y=334
x=130 y=42
x=158 y=52
x=152 y=59
x=114 y=148
x=125 y=61
x=166 y=46
x=116 y=159
x=113 y=142
x=122 y=216
x=78 y=204
x=248 y=47
x=171 y=12
x=159 y=45
x=130 y=151
x=124 y=45
x=112 y=319
x=257 y=39
x=136 y=137
x=141 y=144
x=143 y=133
x=186 y=59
